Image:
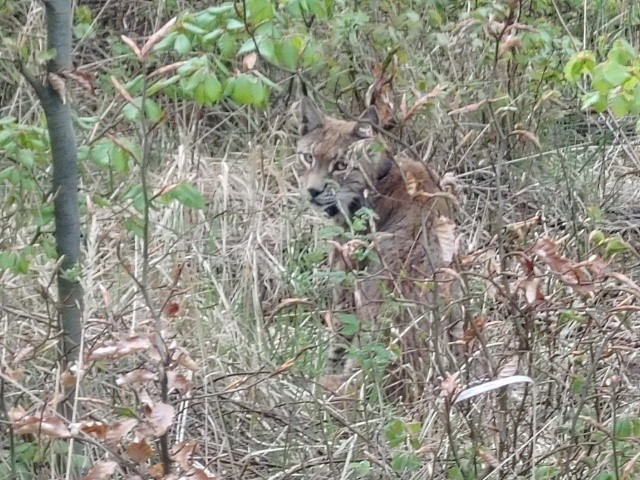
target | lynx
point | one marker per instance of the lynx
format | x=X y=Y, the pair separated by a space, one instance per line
x=348 y=166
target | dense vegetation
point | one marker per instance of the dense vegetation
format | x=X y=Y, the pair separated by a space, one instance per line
x=205 y=273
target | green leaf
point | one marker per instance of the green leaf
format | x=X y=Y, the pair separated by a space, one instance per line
x=187 y=195
x=43 y=215
x=349 y=324
x=131 y=112
x=248 y=90
x=287 y=52
x=546 y=472
x=152 y=110
x=182 y=45
x=614 y=73
x=135 y=225
x=621 y=52
x=395 y=433
x=619 y=106
x=595 y=100
x=614 y=245
x=190 y=27
x=580 y=63
x=26 y=157
x=259 y=11
x=212 y=88
x=405 y=461
x=226 y=45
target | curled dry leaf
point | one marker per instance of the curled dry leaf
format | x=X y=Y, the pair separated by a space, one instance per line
x=139 y=451
x=569 y=272
x=509 y=368
x=249 y=61
x=184 y=360
x=97 y=430
x=527 y=135
x=468 y=108
x=121 y=90
x=445 y=232
x=156 y=37
x=132 y=45
x=136 y=376
x=119 y=430
x=420 y=102
x=182 y=452
x=159 y=416
x=101 y=470
x=488 y=458
x=57 y=82
x=510 y=42
x=449 y=386
x=48 y=425
x=67 y=379
x=177 y=381
x=120 y=348
x=531 y=288
x=82 y=78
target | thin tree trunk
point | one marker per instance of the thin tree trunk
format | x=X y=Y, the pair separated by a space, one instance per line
x=65 y=177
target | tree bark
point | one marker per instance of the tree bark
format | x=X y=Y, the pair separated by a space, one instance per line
x=65 y=178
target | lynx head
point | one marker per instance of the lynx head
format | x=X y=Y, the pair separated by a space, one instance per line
x=338 y=160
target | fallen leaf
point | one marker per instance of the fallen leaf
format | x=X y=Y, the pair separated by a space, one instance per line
x=47 y=425
x=160 y=417
x=101 y=470
x=139 y=451
x=182 y=452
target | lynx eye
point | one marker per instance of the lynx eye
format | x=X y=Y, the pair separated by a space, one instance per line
x=339 y=166
x=306 y=159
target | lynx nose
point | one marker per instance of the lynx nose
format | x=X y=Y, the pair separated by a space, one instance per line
x=314 y=192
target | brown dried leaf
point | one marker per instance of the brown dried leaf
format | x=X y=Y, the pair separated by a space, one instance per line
x=172 y=309
x=156 y=37
x=566 y=270
x=67 y=379
x=119 y=430
x=249 y=61
x=120 y=348
x=98 y=430
x=510 y=42
x=136 y=376
x=82 y=78
x=531 y=288
x=184 y=360
x=177 y=381
x=139 y=451
x=422 y=101
x=57 y=83
x=132 y=45
x=160 y=417
x=509 y=368
x=101 y=470
x=445 y=232
x=449 y=386
x=472 y=331
x=42 y=425
x=121 y=90
x=156 y=471
x=167 y=69
x=527 y=135
x=182 y=452
x=468 y=108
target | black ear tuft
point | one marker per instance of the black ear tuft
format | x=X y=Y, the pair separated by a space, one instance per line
x=312 y=116
x=367 y=123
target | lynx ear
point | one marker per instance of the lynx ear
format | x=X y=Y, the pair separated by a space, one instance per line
x=366 y=123
x=312 y=116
